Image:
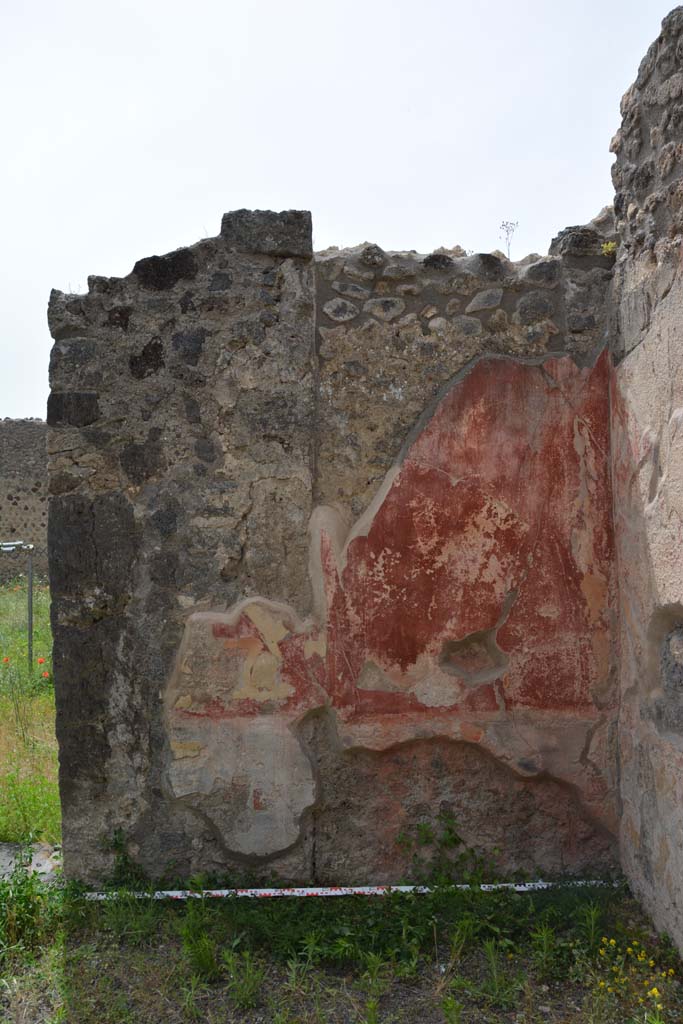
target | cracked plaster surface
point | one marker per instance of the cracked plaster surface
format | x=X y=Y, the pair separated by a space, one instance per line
x=491 y=532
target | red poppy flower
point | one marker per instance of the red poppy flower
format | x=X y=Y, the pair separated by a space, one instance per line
x=6 y=661
x=41 y=661
x=46 y=675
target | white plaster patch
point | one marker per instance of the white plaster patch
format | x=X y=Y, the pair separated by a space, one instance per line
x=251 y=778
x=437 y=691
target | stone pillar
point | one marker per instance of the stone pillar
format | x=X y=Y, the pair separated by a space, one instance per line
x=647 y=468
x=180 y=455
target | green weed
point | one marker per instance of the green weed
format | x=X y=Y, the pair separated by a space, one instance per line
x=201 y=953
x=298 y=976
x=463 y=936
x=452 y=1010
x=190 y=993
x=29 y=913
x=589 y=925
x=279 y=1014
x=441 y=856
x=544 y=948
x=498 y=988
x=371 y=1014
x=245 y=978
x=127 y=918
x=375 y=977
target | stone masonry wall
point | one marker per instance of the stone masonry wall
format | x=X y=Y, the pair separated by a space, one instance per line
x=342 y=541
x=181 y=454
x=331 y=552
x=647 y=460
x=23 y=492
x=394 y=328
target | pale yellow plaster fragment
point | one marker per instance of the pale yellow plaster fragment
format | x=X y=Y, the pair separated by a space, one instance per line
x=188 y=748
x=271 y=628
x=315 y=645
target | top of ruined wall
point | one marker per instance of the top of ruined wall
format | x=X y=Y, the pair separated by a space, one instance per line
x=394 y=328
x=648 y=178
x=649 y=145
x=150 y=373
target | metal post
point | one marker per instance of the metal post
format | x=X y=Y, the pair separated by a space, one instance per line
x=29 y=549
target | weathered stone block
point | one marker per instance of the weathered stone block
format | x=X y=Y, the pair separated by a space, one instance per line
x=159 y=273
x=92 y=543
x=72 y=408
x=276 y=234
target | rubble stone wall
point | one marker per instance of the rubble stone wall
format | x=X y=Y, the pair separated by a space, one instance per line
x=331 y=554
x=647 y=460
x=23 y=492
x=181 y=460
x=342 y=542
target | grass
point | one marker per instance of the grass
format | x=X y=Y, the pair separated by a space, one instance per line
x=434 y=959
x=29 y=798
x=564 y=956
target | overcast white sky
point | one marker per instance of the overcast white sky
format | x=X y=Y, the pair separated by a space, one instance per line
x=130 y=126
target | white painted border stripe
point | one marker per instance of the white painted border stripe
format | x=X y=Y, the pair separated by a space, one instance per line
x=338 y=890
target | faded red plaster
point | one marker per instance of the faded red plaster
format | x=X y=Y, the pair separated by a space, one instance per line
x=496 y=522
x=470 y=519
x=445 y=548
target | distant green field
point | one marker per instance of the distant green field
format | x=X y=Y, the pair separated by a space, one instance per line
x=29 y=799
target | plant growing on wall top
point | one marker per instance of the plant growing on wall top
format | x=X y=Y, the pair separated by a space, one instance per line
x=507 y=229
